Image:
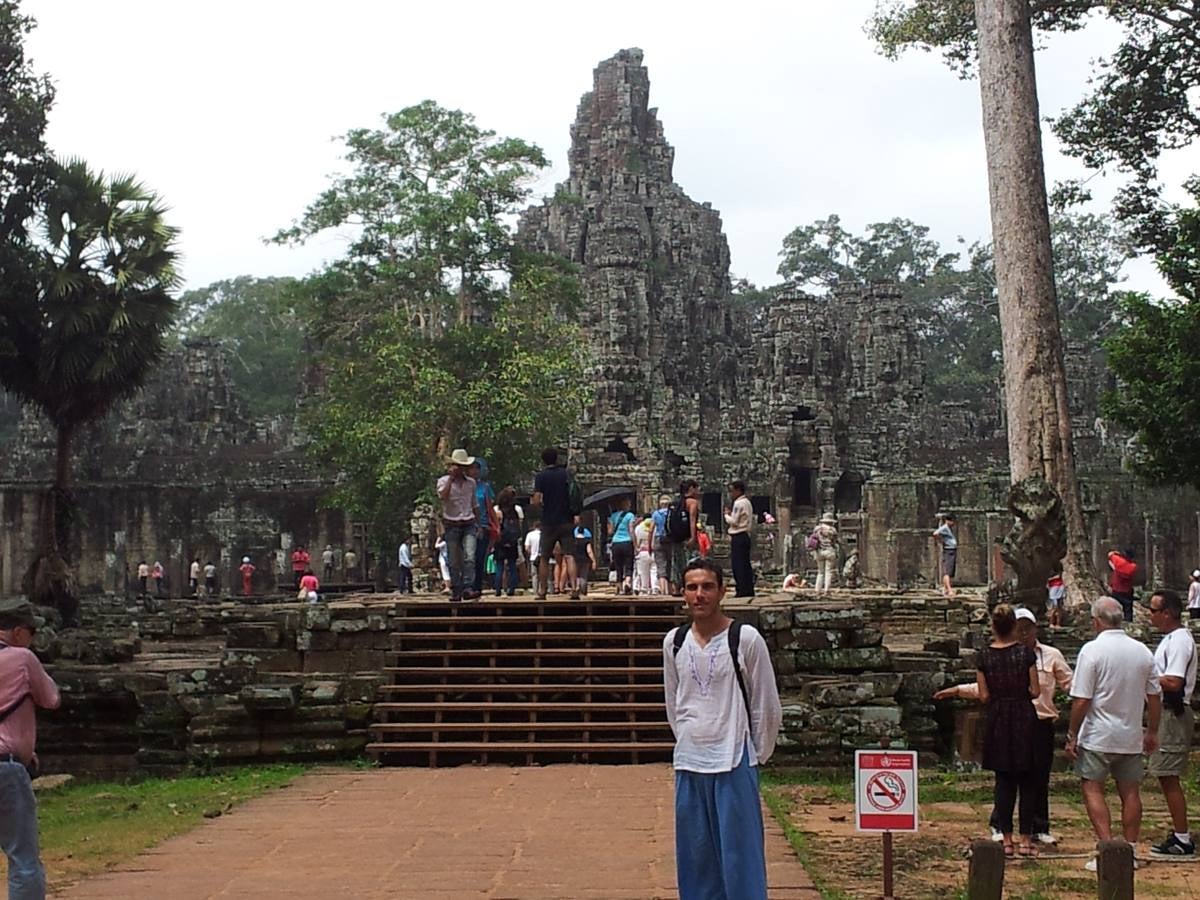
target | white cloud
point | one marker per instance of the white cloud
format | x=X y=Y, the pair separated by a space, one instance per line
x=780 y=113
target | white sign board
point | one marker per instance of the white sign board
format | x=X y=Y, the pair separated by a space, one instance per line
x=885 y=796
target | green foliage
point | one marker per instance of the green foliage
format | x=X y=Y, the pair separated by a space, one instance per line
x=261 y=322
x=1143 y=100
x=426 y=203
x=25 y=100
x=1156 y=358
x=436 y=330
x=951 y=295
x=87 y=302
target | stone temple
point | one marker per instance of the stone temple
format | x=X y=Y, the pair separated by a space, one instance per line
x=817 y=403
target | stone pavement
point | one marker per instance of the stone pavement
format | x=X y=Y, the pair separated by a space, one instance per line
x=602 y=832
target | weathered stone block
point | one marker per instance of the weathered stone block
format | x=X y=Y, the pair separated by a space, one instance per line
x=258 y=635
x=257 y=697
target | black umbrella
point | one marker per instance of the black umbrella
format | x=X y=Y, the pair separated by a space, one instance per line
x=607 y=494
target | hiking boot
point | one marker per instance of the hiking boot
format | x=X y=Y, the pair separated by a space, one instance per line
x=1174 y=848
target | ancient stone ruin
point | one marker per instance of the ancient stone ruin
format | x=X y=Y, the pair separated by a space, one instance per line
x=817 y=404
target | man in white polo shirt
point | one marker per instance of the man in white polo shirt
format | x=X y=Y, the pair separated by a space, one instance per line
x=1175 y=666
x=1114 y=685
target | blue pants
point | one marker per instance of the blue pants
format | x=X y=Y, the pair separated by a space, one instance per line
x=460 y=557
x=719 y=853
x=481 y=554
x=501 y=564
x=19 y=833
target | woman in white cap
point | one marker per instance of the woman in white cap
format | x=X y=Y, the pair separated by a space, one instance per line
x=1193 y=597
x=247 y=570
x=824 y=542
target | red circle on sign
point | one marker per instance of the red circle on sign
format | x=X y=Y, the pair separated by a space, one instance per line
x=885 y=791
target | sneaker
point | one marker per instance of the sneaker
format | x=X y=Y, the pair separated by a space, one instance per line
x=1174 y=848
x=997 y=836
x=1046 y=837
x=1091 y=864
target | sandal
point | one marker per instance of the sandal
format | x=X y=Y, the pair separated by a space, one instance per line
x=1028 y=851
x=1009 y=851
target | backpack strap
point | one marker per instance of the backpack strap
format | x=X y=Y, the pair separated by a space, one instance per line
x=735 y=641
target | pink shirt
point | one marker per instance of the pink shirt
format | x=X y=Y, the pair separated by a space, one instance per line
x=21 y=673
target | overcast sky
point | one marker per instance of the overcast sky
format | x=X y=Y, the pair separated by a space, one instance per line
x=780 y=113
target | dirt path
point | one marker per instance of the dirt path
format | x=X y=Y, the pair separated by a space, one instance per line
x=488 y=832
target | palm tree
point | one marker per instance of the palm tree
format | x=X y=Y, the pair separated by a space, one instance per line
x=85 y=303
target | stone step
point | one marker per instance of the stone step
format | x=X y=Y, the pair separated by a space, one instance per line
x=509 y=671
x=664 y=621
x=403 y=641
x=643 y=751
x=590 y=706
x=383 y=729
x=654 y=689
x=526 y=652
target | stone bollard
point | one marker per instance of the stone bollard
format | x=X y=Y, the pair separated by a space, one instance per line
x=985 y=872
x=1114 y=870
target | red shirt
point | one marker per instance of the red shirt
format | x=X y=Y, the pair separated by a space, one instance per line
x=1123 y=570
x=704 y=542
x=300 y=560
x=21 y=673
x=309 y=583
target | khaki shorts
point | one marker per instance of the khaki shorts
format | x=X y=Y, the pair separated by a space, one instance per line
x=1174 y=744
x=1092 y=765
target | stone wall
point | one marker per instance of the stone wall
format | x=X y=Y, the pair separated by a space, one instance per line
x=153 y=685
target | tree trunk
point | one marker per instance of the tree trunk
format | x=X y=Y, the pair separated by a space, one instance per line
x=1035 y=384
x=50 y=581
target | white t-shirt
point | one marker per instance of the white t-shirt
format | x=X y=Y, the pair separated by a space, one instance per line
x=194 y=571
x=1194 y=595
x=1116 y=673
x=533 y=544
x=210 y=571
x=705 y=706
x=1176 y=656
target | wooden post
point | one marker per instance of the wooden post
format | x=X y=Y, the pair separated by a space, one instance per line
x=1114 y=870
x=985 y=872
x=889 y=890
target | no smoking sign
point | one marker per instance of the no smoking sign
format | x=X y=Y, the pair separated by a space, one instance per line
x=886 y=794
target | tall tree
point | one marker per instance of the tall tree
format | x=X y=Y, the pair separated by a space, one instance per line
x=1142 y=101
x=435 y=329
x=263 y=324
x=1155 y=354
x=86 y=303
x=1040 y=443
x=25 y=99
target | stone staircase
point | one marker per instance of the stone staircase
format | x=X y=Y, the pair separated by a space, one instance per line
x=521 y=681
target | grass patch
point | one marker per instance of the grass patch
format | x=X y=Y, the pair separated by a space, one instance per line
x=781 y=805
x=90 y=827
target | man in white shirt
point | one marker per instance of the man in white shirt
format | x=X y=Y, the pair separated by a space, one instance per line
x=533 y=552
x=739 y=522
x=1114 y=685
x=404 y=581
x=1175 y=666
x=725 y=713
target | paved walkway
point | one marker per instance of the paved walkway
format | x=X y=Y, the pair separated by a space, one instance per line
x=472 y=832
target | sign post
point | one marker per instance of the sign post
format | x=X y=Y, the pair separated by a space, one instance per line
x=885 y=799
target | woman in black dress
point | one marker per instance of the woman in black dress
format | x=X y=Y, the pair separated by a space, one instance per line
x=1008 y=682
